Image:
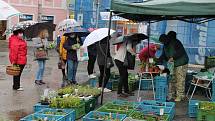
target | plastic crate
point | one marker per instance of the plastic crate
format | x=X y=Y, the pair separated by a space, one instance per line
x=115 y=84
x=79 y=111
x=90 y=105
x=109 y=85
x=151 y=106
x=146 y=84
x=149 y=117
x=161 y=88
x=36 y=116
x=206 y=111
x=68 y=116
x=39 y=107
x=91 y=116
x=193 y=107
x=108 y=107
x=126 y=103
x=213 y=91
x=132 y=85
x=93 y=82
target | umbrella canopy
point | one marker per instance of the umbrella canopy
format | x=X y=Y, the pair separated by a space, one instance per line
x=96 y=36
x=34 y=30
x=133 y=37
x=21 y=25
x=67 y=23
x=7 y=10
x=164 y=9
x=81 y=32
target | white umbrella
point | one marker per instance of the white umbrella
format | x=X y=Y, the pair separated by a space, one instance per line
x=67 y=23
x=20 y=25
x=96 y=36
x=7 y=10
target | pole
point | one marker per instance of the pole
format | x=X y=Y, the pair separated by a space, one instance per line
x=39 y=17
x=148 y=32
x=108 y=38
x=97 y=13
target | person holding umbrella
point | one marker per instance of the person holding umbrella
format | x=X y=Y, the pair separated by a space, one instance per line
x=41 y=48
x=126 y=46
x=17 y=55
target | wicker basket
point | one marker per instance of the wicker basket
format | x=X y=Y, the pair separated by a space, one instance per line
x=13 y=70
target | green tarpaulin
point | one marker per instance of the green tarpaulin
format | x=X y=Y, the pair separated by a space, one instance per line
x=164 y=9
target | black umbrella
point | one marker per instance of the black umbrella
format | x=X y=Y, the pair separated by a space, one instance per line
x=133 y=37
x=34 y=30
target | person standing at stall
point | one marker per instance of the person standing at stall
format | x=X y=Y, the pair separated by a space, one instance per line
x=72 y=44
x=17 y=55
x=41 y=54
x=174 y=53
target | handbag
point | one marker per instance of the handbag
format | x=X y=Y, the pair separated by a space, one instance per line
x=13 y=70
x=129 y=61
x=61 y=64
x=41 y=53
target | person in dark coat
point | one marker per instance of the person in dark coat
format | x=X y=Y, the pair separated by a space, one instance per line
x=72 y=44
x=101 y=47
x=174 y=53
x=92 y=54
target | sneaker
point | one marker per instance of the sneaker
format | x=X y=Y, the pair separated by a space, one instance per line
x=37 y=82
x=20 y=89
x=91 y=76
x=20 y=86
x=107 y=90
x=42 y=82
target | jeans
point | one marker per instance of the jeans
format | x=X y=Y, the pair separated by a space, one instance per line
x=16 y=79
x=40 y=72
x=72 y=69
x=123 y=72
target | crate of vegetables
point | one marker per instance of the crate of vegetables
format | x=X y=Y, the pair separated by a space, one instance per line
x=68 y=114
x=69 y=103
x=206 y=111
x=39 y=117
x=156 y=107
x=103 y=116
x=140 y=116
x=116 y=108
x=39 y=106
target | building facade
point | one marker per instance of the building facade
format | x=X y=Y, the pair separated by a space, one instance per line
x=37 y=10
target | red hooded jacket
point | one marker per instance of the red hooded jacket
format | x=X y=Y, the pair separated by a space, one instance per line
x=17 y=50
x=144 y=53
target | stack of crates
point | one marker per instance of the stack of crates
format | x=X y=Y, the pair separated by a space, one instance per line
x=161 y=88
x=193 y=107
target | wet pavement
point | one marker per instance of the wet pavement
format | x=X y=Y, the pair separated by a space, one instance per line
x=15 y=105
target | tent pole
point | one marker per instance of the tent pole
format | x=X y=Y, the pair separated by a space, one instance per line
x=148 y=32
x=106 y=54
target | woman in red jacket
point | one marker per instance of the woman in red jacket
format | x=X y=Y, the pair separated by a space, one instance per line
x=17 y=55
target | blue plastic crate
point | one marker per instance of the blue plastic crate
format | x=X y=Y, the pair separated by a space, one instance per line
x=36 y=116
x=39 y=107
x=193 y=107
x=146 y=84
x=161 y=88
x=90 y=116
x=93 y=82
x=151 y=106
x=109 y=85
x=213 y=91
x=69 y=113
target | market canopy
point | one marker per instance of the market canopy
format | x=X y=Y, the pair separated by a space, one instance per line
x=164 y=9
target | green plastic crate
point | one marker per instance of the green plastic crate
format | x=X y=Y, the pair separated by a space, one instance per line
x=206 y=111
x=79 y=111
x=90 y=105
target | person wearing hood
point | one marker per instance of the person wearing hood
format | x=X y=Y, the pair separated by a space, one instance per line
x=17 y=55
x=175 y=53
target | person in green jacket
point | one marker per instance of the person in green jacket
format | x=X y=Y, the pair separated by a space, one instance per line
x=174 y=53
